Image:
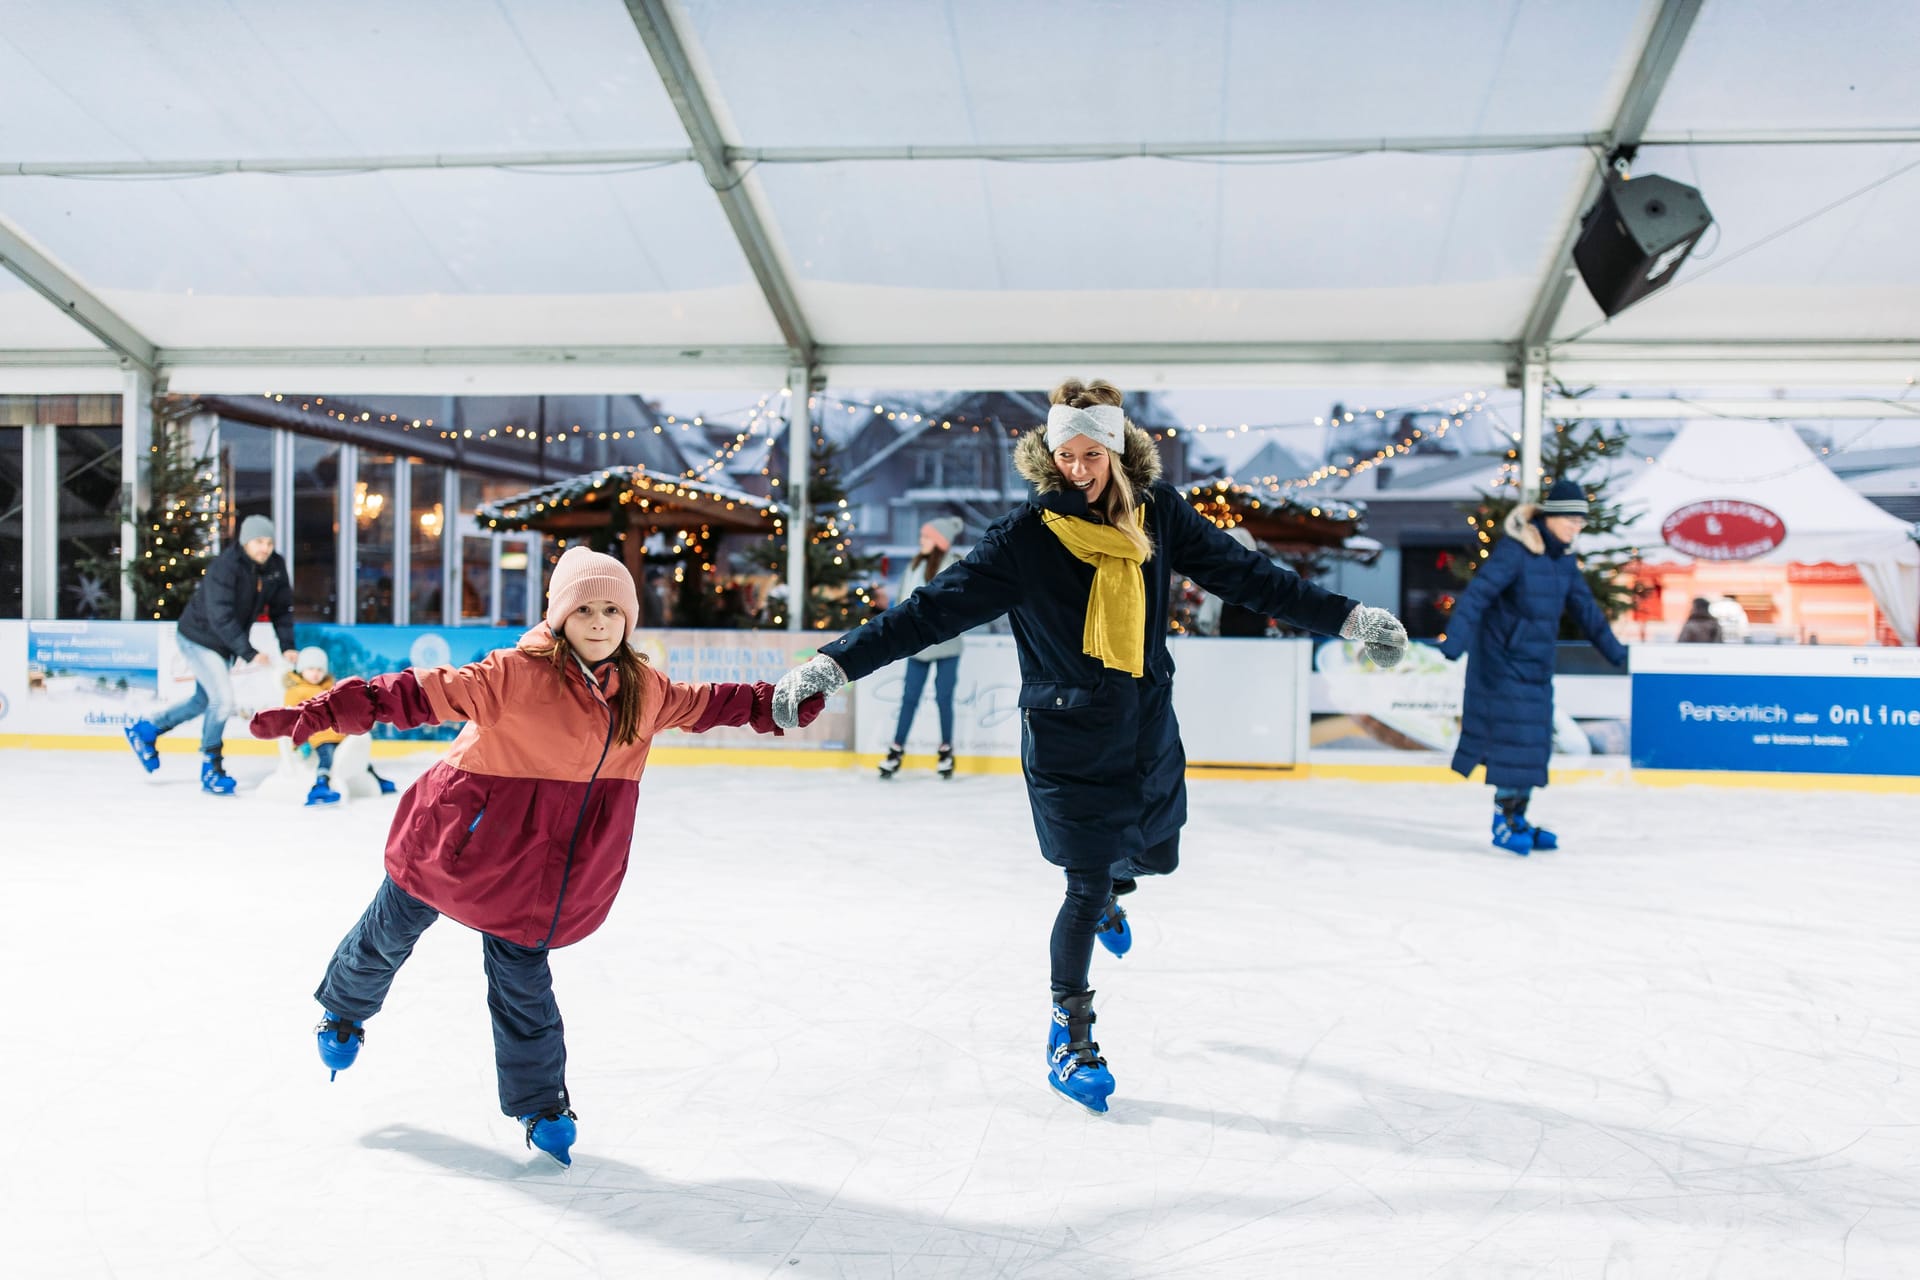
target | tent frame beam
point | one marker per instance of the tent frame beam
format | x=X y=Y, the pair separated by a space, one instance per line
x=1658 y=408
x=614 y=369
x=1666 y=35
x=731 y=184
x=561 y=158
x=74 y=300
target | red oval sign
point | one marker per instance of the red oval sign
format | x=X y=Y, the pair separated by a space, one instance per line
x=1723 y=529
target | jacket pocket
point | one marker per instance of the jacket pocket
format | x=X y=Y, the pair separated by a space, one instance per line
x=1048 y=695
x=466 y=839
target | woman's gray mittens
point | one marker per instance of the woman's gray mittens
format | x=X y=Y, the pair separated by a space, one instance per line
x=821 y=675
x=1378 y=631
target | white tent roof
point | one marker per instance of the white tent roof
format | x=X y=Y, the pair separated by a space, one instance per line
x=1768 y=465
x=399 y=197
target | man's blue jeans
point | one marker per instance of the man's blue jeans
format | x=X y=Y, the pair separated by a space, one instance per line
x=212 y=695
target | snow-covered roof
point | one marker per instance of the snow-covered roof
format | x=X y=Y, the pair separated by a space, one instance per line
x=590 y=195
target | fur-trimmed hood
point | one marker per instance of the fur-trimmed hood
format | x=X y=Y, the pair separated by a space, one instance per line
x=1034 y=461
x=1519 y=526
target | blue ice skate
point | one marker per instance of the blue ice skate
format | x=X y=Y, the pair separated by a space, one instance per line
x=1113 y=931
x=553 y=1132
x=387 y=786
x=1074 y=1065
x=1514 y=836
x=321 y=793
x=340 y=1039
x=214 y=778
x=141 y=737
x=1542 y=838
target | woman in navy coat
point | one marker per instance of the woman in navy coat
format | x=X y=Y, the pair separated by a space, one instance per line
x=1508 y=622
x=1083 y=569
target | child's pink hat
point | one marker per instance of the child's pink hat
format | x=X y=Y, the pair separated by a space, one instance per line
x=584 y=575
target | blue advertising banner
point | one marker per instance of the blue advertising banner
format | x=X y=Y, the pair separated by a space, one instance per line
x=1776 y=723
x=93 y=656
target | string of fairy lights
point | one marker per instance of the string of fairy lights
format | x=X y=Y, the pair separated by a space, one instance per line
x=769 y=413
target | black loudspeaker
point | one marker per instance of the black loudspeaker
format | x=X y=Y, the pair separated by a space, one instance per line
x=1633 y=240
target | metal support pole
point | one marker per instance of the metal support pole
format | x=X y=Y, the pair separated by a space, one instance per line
x=40 y=522
x=799 y=477
x=136 y=471
x=536 y=578
x=346 y=548
x=453 y=551
x=402 y=541
x=1533 y=386
x=493 y=580
x=283 y=477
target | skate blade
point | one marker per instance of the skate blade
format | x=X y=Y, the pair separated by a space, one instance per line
x=1088 y=1107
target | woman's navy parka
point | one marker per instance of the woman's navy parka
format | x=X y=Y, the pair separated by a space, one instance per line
x=1508 y=623
x=1106 y=774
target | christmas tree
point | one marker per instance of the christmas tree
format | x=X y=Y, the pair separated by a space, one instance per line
x=174 y=534
x=837 y=580
x=1578 y=451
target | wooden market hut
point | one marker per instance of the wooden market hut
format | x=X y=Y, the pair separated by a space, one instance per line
x=619 y=510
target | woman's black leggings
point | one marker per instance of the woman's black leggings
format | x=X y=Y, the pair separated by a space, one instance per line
x=1074 y=927
x=1087 y=894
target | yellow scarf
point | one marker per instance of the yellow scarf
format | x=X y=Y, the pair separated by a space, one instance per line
x=1116 y=630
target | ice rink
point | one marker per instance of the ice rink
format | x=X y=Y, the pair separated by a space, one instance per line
x=1352 y=1040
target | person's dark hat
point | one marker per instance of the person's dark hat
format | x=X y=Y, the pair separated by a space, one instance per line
x=1565 y=498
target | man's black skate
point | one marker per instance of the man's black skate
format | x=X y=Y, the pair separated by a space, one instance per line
x=945 y=766
x=891 y=765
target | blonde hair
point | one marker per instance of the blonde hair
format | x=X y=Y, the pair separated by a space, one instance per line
x=1117 y=502
x=627 y=701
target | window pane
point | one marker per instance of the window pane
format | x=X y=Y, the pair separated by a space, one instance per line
x=246 y=477
x=316 y=529
x=12 y=546
x=89 y=515
x=373 y=514
x=476 y=579
x=513 y=583
x=427 y=534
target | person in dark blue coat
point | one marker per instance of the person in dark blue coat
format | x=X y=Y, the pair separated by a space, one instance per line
x=1083 y=570
x=245 y=581
x=1508 y=622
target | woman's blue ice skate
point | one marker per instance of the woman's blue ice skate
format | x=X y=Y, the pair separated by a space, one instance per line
x=553 y=1132
x=321 y=793
x=1513 y=835
x=1113 y=931
x=1074 y=1065
x=340 y=1038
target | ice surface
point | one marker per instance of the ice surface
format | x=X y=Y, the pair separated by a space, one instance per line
x=1352 y=1040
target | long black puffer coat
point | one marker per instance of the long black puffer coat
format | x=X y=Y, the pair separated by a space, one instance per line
x=1508 y=623
x=1105 y=771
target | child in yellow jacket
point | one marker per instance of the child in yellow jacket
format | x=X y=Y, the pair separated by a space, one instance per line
x=312 y=676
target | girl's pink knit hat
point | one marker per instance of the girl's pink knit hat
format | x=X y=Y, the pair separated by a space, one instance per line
x=584 y=575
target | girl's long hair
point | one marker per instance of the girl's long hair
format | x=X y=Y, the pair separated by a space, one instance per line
x=1117 y=502
x=932 y=559
x=626 y=700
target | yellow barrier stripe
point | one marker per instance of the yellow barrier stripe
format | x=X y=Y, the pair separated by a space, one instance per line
x=765 y=757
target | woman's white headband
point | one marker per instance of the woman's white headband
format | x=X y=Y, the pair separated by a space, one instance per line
x=1104 y=424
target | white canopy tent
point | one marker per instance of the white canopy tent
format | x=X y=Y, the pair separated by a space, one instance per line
x=447 y=197
x=588 y=195
x=1766 y=465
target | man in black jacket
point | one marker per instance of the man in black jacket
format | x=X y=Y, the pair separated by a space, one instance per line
x=243 y=582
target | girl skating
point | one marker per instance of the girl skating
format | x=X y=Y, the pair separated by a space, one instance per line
x=522 y=832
